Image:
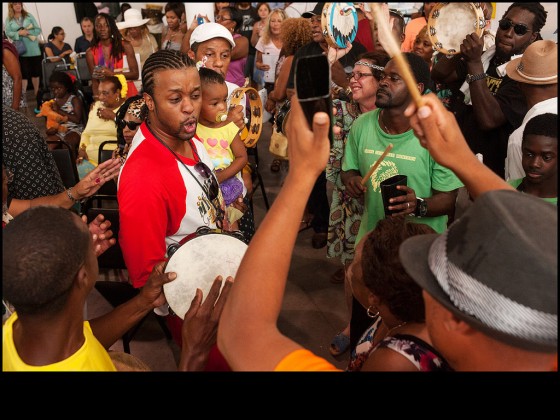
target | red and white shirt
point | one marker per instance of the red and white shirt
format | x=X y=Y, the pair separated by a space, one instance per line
x=160 y=202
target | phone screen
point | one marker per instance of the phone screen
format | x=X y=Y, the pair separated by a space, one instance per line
x=313 y=86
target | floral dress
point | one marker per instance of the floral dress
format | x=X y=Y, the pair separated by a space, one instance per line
x=346 y=212
x=420 y=353
x=8 y=90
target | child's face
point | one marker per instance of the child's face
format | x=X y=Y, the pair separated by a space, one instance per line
x=214 y=101
x=58 y=89
x=539 y=159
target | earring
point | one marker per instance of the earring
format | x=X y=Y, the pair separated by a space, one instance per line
x=370 y=312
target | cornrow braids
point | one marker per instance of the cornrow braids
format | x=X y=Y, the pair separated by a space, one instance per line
x=117 y=49
x=536 y=9
x=163 y=60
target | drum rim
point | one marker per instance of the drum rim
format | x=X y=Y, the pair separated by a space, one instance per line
x=326 y=27
x=479 y=14
x=167 y=287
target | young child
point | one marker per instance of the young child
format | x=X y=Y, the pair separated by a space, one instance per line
x=222 y=141
x=539 y=149
x=67 y=104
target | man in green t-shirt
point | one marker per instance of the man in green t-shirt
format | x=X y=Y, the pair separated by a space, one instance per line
x=432 y=189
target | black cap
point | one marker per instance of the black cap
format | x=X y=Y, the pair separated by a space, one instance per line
x=317 y=10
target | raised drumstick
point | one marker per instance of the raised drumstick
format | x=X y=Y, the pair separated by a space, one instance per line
x=376 y=164
x=391 y=47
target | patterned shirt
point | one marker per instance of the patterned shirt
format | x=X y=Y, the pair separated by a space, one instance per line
x=25 y=153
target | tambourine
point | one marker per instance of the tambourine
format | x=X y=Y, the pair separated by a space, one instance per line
x=249 y=135
x=339 y=22
x=450 y=23
x=281 y=117
x=198 y=260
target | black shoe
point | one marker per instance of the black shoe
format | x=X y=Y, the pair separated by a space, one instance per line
x=319 y=240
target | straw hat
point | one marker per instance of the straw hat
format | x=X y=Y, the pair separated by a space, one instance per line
x=537 y=66
x=132 y=19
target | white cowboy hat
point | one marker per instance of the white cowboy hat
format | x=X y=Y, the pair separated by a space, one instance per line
x=132 y=19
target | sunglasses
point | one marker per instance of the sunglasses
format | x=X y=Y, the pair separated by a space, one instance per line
x=205 y=172
x=518 y=28
x=130 y=124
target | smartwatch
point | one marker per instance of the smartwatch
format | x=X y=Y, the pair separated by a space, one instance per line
x=421 y=207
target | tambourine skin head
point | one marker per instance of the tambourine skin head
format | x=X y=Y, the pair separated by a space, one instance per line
x=339 y=22
x=450 y=23
x=197 y=263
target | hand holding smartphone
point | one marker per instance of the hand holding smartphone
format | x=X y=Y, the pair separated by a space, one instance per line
x=313 y=87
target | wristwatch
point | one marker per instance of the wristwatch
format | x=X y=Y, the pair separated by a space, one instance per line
x=421 y=207
x=474 y=77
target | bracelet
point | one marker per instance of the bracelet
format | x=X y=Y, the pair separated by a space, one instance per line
x=70 y=196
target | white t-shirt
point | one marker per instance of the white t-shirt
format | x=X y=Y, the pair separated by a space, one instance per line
x=514 y=169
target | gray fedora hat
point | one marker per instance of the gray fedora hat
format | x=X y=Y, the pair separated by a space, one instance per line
x=496 y=268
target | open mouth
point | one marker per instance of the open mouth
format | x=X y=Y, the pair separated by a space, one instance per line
x=190 y=126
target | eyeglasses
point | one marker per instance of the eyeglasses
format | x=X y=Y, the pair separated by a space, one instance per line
x=221 y=19
x=518 y=28
x=130 y=124
x=357 y=75
x=206 y=173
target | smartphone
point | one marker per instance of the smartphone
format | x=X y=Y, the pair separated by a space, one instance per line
x=312 y=81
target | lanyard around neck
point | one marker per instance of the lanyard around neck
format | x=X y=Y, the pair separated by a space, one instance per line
x=195 y=153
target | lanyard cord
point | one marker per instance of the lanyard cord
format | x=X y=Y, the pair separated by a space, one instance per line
x=195 y=153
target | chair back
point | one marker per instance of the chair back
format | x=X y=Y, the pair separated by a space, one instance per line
x=112 y=258
x=109 y=188
x=83 y=69
x=66 y=163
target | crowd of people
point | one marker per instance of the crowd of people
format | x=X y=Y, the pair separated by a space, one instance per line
x=427 y=287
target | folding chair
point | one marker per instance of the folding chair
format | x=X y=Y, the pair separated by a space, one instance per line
x=66 y=163
x=119 y=292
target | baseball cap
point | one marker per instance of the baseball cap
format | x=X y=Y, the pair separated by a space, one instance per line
x=317 y=10
x=211 y=30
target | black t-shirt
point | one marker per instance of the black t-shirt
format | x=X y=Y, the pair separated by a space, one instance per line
x=492 y=144
x=250 y=16
x=314 y=48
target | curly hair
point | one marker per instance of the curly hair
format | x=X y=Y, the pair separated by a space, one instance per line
x=295 y=33
x=383 y=273
x=38 y=273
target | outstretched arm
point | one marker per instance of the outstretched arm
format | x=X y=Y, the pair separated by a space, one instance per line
x=88 y=186
x=439 y=132
x=247 y=335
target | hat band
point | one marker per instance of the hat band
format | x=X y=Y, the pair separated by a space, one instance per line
x=488 y=306
x=535 y=79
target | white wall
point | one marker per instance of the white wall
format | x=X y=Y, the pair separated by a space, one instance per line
x=49 y=15
x=63 y=14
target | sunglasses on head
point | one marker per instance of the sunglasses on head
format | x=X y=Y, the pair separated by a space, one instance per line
x=130 y=124
x=518 y=28
x=206 y=173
